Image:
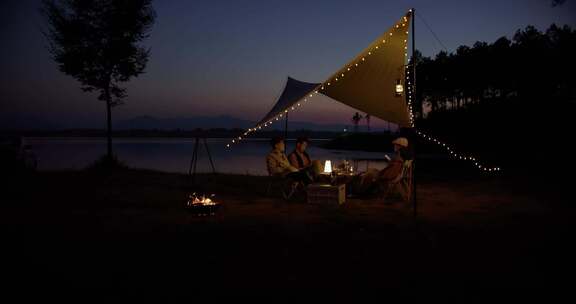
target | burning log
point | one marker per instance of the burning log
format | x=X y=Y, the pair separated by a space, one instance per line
x=202 y=205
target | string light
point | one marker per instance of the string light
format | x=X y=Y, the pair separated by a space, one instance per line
x=459 y=156
x=322 y=88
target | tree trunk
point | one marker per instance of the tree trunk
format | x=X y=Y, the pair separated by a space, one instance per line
x=109 y=125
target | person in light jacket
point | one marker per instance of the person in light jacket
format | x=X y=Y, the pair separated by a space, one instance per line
x=278 y=164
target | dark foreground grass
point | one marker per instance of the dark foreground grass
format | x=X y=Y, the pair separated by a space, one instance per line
x=129 y=229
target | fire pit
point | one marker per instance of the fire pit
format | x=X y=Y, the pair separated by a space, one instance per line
x=201 y=205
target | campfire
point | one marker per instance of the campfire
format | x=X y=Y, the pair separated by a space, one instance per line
x=202 y=205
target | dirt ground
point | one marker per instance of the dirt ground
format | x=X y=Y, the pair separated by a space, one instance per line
x=129 y=229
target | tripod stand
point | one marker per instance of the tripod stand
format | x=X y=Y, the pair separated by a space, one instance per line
x=194 y=160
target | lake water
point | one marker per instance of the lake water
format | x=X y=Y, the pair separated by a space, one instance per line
x=174 y=155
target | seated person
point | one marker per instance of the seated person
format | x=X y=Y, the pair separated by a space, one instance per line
x=367 y=181
x=278 y=164
x=300 y=159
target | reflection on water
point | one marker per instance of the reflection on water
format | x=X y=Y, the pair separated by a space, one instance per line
x=174 y=155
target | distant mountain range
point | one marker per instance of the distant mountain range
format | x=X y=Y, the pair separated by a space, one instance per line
x=147 y=122
x=212 y=122
x=11 y=121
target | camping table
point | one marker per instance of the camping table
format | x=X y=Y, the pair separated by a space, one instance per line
x=326 y=194
x=335 y=178
x=330 y=188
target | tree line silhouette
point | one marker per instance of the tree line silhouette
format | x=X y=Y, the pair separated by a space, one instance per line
x=505 y=101
x=533 y=66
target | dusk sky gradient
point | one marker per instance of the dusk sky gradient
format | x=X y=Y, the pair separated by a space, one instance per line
x=219 y=57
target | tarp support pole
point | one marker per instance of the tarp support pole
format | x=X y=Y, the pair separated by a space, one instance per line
x=414 y=198
x=286 y=134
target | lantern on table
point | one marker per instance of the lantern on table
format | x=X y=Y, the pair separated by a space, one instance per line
x=328 y=167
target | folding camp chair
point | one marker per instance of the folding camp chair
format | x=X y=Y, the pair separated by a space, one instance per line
x=401 y=184
x=285 y=185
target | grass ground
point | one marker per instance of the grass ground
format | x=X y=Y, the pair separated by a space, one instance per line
x=129 y=229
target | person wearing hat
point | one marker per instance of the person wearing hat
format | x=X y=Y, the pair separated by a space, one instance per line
x=367 y=181
x=394 y=167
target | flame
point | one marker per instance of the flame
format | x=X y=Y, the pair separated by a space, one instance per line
x=194 y=200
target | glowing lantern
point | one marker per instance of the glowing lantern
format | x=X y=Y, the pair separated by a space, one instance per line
x=328 y=167
x=399 y=88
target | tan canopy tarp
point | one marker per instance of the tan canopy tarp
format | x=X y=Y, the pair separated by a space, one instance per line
x=294 y=90
x=368 y=82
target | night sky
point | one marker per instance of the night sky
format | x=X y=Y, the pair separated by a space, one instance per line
x=232 y=57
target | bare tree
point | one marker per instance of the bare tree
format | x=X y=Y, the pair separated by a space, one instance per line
x=98 y=43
